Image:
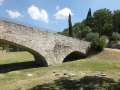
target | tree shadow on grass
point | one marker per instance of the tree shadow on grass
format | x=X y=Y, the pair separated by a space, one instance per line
x=4 y=68
x=85 y=83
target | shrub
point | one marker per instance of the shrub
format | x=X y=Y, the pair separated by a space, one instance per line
x=91 y=36
x=107 y=29
x=85 y=31
x=98 y=44
x=106 y=39
x=115 y=36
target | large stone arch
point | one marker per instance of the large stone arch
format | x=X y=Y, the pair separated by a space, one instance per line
x=39 y=59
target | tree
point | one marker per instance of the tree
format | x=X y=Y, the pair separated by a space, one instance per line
x=116 y=21
x=89 y=19
x=75 y=29
x=70 y=26
x=89 y=15
x=80 y=30
x=107 y=29
x=102 y=21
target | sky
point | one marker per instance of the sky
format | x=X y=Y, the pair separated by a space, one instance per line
x=51 y=14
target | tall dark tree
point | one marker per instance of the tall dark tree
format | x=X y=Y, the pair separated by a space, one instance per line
x=70 y=26
x=89 y=15
x=89 y=19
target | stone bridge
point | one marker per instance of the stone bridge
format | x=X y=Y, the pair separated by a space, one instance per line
x=47 y=48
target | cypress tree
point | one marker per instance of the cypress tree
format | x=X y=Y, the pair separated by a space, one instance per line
x=70 y=26
x=89 y=19
x=89 y=15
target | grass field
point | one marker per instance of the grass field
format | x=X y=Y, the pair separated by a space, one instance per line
x=14 y=57
x=20 y=73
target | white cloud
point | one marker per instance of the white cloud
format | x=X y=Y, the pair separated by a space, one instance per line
x=38 y=14
x=1 y=2
x=63 y=13
x=13 y=13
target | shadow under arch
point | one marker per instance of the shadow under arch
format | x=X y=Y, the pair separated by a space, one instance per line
x=75 y=55
x=39 y=59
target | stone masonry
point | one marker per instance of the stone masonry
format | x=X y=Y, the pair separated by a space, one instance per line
x=47 y=48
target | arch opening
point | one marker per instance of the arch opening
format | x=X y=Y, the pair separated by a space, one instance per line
x=38 y=58
x=76 y=55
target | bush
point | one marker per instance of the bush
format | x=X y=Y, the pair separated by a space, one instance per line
x=115 y=36
x=84 y=30
x=91 y=36
x=98 y=44
x=107 y=29
x=106 y=39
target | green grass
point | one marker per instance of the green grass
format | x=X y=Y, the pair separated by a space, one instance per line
x=12 y=57
x=107 y=62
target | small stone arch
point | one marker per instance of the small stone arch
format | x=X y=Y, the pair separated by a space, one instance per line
x=75 y=55
x=39 y=59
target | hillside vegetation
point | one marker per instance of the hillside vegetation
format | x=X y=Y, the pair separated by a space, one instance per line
x=101 y=28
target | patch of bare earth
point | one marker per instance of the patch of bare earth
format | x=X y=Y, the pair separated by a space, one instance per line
x=109 y=54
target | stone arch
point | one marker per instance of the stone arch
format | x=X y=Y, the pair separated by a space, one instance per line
x=75 y=55
x=39 y=59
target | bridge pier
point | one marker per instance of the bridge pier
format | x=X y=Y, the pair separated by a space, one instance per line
x=39 y=60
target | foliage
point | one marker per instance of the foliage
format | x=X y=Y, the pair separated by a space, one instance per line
x=89 y=15
x=91 y=36
x=116 y=21
x=115 y=36
x=98 y=43
x=107 y=29
x=89 y=19
x=102 y=20
x=77 y=28
x=83 y=32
